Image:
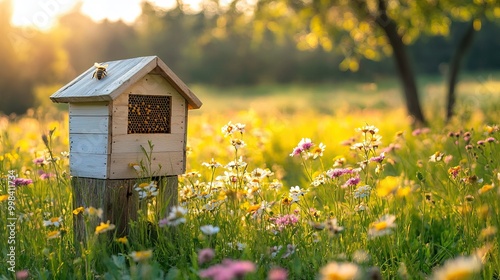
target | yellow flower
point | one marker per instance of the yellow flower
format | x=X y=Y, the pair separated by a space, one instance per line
x=103 y=227
x=53 y=234
x=122 y=240
x=287 y=200
x=402 y=192
x=460 y=268
x=491 y=128
x=387 y=186
x=78 y=210
x=253 y=208
x=143 y=185
x=340 y=271
x=4 y=197
x=140 y=256
x=485 y=188
x=437 y=156
x=383 y=226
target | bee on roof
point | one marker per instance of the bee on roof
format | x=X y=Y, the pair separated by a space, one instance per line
x=100 y=71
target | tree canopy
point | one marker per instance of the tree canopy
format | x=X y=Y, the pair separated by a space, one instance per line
x=371 y=29
x=249 y=42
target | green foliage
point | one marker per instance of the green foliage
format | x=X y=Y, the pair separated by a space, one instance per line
x=440 y=185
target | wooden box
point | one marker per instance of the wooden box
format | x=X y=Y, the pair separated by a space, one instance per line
x=139 y=100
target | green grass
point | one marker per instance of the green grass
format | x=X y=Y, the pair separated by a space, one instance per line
x=438 y=216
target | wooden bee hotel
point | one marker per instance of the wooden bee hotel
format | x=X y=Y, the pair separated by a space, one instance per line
x=116 y=109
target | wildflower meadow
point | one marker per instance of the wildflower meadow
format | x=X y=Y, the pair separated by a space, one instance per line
x=267 y=195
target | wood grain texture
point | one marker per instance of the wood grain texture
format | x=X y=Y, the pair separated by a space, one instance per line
x=121 y=74
x=119 y=202
x=132 y=143
x=172 y=163
x=184 y=159
x=116 y=198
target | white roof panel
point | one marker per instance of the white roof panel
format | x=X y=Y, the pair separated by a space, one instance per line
x=120 y=75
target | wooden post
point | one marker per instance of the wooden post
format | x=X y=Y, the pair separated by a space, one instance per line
x=118 y=200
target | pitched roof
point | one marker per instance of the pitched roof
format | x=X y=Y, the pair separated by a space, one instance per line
x=121 y=75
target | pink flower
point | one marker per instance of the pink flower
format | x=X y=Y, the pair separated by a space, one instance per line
x=228 y=269
x=39 y=161
x=22 y=274
x=296 y=152
x=205 y=255
x=21 y=182
x=45 y=176
x=277 y=273
x=379 y=158
x=305 y=144
x=419 y=131
x=284 y=221
x=240 y=268
x=351 y=182
x=337 y=172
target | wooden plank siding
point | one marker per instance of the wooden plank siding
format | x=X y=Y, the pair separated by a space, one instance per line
x=172 y=163
x=84 y=143
x=88 y=165
x=89 y=139
x=169 y=148
x=88 y=124
x=89 y=109
x=162 y=143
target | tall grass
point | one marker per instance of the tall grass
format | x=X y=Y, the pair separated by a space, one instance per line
x=294 y=188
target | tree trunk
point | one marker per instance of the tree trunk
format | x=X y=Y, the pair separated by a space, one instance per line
x=402 y=63
x=455 y=64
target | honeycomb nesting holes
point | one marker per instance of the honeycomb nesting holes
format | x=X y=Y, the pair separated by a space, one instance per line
x=149 y=114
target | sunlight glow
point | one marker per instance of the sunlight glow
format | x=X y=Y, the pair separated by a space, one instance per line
x=39 y=14
x=113 y=10
x=43 y=14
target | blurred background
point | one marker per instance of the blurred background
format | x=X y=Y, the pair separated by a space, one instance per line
x=253 y=43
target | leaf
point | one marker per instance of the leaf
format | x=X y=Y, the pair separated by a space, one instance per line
x=420 y=177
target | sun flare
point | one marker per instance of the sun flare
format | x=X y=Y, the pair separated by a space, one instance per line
x=44 y=14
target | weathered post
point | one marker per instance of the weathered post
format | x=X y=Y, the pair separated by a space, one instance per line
x=113 y=120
